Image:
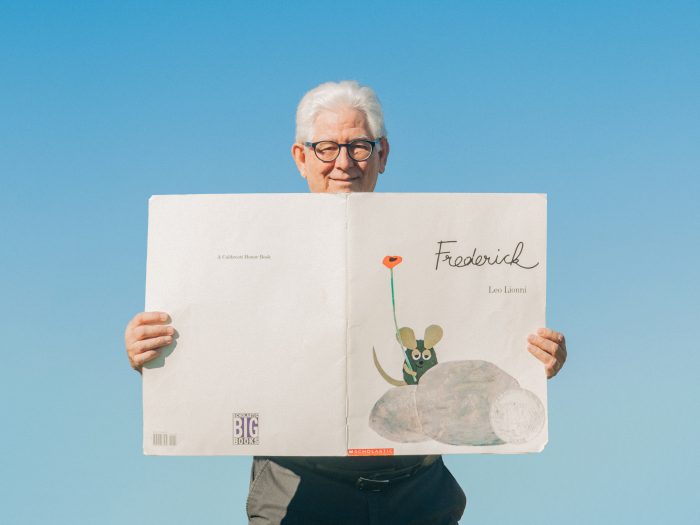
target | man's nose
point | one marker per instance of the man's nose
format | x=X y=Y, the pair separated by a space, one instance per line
x=344 y=161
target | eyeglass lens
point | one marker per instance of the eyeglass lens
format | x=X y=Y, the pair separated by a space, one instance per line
x=358 y=150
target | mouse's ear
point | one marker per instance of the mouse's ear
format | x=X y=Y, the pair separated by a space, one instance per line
x=408 y=338
x=433 y=334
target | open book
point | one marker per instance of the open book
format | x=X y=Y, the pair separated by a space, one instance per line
x=346 y=324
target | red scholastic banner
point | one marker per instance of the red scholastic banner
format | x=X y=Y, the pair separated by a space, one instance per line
x=370 y=452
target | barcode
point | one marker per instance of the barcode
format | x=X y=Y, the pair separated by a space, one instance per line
x=161 y=439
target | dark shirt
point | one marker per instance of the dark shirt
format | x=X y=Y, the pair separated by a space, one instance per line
x=361 y=465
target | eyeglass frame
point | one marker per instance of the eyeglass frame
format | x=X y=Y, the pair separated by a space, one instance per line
x=374 y=143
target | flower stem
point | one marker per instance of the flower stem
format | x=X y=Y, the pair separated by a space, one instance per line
x=396 y=326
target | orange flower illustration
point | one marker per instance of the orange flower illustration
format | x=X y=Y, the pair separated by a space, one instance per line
x=391 y=260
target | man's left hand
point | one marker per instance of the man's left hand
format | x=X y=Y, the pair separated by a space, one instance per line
x=549 y=347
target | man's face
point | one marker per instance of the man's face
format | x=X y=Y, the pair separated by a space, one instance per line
x=343 y=174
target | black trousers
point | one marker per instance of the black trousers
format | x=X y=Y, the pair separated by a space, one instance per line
x=299 y=496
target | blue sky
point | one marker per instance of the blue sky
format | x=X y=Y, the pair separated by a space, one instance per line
x=597 y=104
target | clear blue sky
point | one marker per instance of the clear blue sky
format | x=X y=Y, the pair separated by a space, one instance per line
x=596 y=104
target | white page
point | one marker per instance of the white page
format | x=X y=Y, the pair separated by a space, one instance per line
x=263 y=338
x=487 y=393
x=274 y=340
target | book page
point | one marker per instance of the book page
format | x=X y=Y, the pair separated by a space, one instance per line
x=443 y=291
x=255 y=286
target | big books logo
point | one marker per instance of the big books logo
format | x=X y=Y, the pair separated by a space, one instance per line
x=246 y=428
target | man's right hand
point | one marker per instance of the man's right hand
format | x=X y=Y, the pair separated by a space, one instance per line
x=145 y=335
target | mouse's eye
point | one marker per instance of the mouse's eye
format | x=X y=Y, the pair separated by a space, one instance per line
x=415 y=355
x=427 y=354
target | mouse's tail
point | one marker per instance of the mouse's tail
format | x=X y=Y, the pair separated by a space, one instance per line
x=386 y=376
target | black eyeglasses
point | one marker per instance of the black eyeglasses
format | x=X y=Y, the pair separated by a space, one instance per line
x=358 y=150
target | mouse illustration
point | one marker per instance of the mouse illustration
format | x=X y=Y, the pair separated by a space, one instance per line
x=420 y=353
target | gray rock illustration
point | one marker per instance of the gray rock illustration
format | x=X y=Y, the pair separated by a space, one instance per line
x=517 y=416
x=394 y=416
x=460 y=403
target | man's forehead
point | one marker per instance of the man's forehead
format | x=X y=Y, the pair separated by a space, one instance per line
x=345 y=123
x=319 y=137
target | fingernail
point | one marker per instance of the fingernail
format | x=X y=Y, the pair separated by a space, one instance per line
x=163 y=317
x=531 y=338
x=170 y=331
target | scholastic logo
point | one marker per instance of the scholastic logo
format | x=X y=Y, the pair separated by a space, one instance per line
x=370 y=452
x=246 y=428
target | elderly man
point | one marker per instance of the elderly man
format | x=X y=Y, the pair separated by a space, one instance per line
x=341 y=146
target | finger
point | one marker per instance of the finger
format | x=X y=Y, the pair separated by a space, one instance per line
x=545 y=357
x=148 y=318
x=142 y=332
x=138 y=360
x=547 y=333
x=551 y=365
x=545 y=344
x=561 y=354
x=149 y=344
x=557 y=337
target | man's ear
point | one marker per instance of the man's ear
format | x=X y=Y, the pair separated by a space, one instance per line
x=383 y=154
x=299 y=156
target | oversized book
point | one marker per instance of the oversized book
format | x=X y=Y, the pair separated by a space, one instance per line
x=346 y=324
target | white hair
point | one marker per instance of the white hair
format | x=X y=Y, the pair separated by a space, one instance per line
x=332 y=96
